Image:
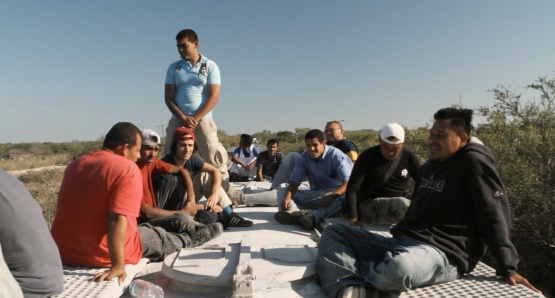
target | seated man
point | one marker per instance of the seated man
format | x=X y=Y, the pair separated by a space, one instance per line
x=27 y=246
x=268 y=198
x=207 y=179
x=328 y=171
x=170 y=209
x=244 y=160
x=98 y=205
x=335 y=137
x=376 y=192
x=268 y=162
x=460 y=206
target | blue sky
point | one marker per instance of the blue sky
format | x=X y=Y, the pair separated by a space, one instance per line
x=69 y=70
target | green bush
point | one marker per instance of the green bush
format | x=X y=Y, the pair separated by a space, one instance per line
x=521 y=135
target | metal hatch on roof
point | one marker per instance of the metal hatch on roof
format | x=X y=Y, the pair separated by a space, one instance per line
x=239 y=269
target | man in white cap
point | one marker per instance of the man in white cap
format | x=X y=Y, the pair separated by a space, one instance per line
x=376 y=192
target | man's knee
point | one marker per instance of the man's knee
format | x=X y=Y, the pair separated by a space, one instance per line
x=396 y=272
x=384 y=211
x=335 y=233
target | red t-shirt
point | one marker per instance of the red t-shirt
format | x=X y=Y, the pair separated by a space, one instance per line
x=156 y=167
x=94 y=184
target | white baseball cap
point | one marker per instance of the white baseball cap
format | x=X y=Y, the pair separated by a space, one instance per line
x=150 y=138
x=393 y=130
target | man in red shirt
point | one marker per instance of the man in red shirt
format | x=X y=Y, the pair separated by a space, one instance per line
x=98 y=205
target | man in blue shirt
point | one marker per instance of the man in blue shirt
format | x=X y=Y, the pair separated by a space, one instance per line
x=328 y=171
x=192 y=90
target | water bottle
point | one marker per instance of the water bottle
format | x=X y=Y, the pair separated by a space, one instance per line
x=144 y=289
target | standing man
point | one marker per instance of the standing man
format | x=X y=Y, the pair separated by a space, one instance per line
x=328 y=171
x=459 y=208
x=376 y=192
x=192 y=90
x=335 y=137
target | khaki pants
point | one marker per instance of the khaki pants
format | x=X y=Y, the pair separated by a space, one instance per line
x=209 y=147
x=383 y=211
x=202 y=184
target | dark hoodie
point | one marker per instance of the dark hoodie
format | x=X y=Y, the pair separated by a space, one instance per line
x=460 y=206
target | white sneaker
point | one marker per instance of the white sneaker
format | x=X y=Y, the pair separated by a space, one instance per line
x=357 y=292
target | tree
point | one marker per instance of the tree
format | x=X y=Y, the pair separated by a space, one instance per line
x=521 y=136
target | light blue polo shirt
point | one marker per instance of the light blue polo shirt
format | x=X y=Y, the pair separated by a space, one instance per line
x=191 y=83
x=328 y=172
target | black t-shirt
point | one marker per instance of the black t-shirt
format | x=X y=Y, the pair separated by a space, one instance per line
x=366 y=181
x=346 y=146
x=193 y=165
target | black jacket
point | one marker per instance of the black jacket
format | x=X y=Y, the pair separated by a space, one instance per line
x=460 y=206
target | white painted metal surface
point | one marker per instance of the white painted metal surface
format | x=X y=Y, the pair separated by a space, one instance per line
x=78 y=284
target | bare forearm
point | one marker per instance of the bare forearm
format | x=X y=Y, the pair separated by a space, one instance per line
x=174 y=109
x=189 y=185
x=150 y=212
x=236 y=160
x=341 y=189
x=216 y=181
x=169 y=96
x=291 y=190
x=117 y=231
x=206 y=108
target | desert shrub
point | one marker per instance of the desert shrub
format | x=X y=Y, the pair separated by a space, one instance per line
x=29 y=161
x=44 y=186
x=521 y=135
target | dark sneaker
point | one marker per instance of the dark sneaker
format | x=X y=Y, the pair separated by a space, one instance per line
x=290 y=217
x=308 y=221
x=237 y=221
x=206 y=233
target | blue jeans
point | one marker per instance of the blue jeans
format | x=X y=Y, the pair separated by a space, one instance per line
x=353 y=256
x=310 y=199
x=285 y=170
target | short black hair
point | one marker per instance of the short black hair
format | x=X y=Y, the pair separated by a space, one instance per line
x=271 y=142
x=187 y=33
x=247 y=139
x=314 y=133
x=122 y=133
x=461 y=119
